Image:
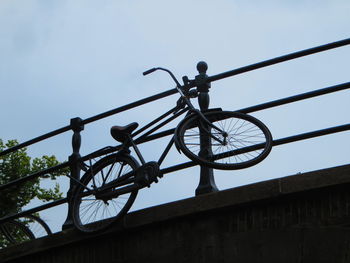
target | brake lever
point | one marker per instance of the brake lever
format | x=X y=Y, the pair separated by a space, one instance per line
x=180 y=104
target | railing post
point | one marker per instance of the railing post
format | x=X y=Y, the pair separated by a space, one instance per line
x=77 y=126
x=206 y=182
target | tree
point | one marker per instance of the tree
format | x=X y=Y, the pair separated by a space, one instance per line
x=18 y=164
x=14 y=166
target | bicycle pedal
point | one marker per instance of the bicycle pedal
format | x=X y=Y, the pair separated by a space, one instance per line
x=147 y=174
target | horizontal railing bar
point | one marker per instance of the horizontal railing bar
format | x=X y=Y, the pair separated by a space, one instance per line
x=313 y=134
x=155 y=136
x=171 y=131
x=178 y=167
x=35 y=140
x=34 y=175
x=290 y=139
x=295 y=98
x=189 y=164
x=173 y=91
x=34 y=210
x=170 y=119
x=150 y=124
x=264 y=106
x=99 y=153
x=245 y=110
x=91 y=119
x=131 y=105
x=184 y=165
x=103 y=151
x=280 y=59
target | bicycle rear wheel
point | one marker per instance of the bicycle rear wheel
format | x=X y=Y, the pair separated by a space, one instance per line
x=92 y=213
x=36 y=225
x=16 y=232
x=248 y=140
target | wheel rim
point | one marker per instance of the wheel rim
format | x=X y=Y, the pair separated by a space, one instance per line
x=94 y=214
x=36 y=225
x=248 y=141
x=17 y=232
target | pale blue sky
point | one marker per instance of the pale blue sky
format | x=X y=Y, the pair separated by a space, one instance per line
x=62 y=59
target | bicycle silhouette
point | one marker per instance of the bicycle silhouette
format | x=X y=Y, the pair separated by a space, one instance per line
x=22 y=229
x=109 y=187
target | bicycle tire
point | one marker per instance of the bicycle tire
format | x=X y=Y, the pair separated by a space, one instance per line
x=16 y=232
x=4 y=240
x=249 y=141
x=36 y=225
x=91 y=214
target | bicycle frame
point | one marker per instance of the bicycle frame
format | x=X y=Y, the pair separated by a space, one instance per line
x=126 y=179
x=179 y=88
x=117 y=174
x=183 y=105
x=126 y=182
x=175 y=113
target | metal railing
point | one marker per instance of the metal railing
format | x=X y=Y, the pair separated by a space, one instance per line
x=77 y=125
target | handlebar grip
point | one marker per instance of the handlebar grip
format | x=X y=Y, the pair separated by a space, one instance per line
x=149 y=71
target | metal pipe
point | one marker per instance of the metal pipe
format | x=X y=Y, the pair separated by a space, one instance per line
x=155 y=136
x=34 y=175
x=92 y=119
x=259 y=107
x=189 y=164
x=153 y=122
x=285 y=140
x=35 y=140
x=161 y=125
x=168 y=132
x=313 y=134
x=173 y=91
x=280 y=59
x=295 y=98
x=33 y=210
x=130 y=105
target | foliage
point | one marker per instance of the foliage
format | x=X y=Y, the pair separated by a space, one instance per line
x=18 y=164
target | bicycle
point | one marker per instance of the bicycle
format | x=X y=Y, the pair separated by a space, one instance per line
x=109 y=187
x=22 y=229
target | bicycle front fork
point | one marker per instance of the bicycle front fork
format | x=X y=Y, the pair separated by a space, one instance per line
x=223 y=133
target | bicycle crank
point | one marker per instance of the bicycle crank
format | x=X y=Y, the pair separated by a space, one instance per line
x=147 y=174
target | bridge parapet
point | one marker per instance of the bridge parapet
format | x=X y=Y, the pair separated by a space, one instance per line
x=304 y=217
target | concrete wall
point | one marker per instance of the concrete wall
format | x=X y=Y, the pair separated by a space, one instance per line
x=300 y=218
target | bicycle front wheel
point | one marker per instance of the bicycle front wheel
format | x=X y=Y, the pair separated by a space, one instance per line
x=94 y=212
x=247 y=141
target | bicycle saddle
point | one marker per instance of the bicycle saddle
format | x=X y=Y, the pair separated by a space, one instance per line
x=120 y=133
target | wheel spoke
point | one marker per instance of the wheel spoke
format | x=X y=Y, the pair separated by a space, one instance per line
x=247 y=141
x=93 y=213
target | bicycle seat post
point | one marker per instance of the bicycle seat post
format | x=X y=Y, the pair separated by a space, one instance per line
x=136 y=149
x=207 y=181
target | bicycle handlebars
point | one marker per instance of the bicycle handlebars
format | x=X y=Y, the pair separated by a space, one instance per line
x=149 y=71
x=163 y=69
